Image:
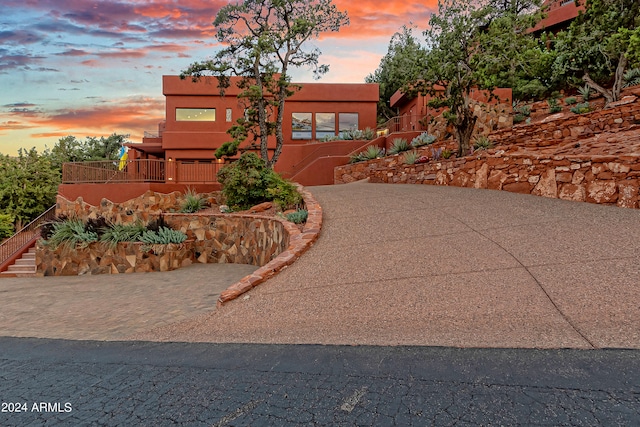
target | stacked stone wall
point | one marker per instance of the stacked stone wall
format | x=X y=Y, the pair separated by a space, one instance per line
x=567 y=127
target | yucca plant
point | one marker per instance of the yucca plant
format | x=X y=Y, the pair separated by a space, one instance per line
x=373 y=152
x=632 y=77
x=193 y=202
x=410 y=157
x=399 y=145
x=585 y=93
x=482 y=143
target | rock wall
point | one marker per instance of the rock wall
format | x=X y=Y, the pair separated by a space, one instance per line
x=97 y=258
x=612 y=180
x=142 y=208
x=567 y=127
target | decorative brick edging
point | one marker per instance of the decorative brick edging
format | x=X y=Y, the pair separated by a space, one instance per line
x=299 y=243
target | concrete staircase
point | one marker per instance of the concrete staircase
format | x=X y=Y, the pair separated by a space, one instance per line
x=23 y=267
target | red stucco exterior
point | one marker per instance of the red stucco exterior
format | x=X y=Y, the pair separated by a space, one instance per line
x=559 y=14
x=192 y=140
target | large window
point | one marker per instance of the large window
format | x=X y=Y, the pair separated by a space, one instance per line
x=301 y=125
x=325 y=125
x=348 y=121
x=195 y=114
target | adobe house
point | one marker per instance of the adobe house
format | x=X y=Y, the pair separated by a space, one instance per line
x=182 y=151
x=559 y=14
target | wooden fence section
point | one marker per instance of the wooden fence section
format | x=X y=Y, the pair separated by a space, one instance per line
x=103 y=172
x=197 y=171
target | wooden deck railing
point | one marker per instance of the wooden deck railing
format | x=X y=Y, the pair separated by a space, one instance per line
x=109 y=172
x=22 y=238
x=404 y=123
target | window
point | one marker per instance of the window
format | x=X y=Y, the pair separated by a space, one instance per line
x=348 y=121
x=301 y=125
x=195 y=114
x=325 y=125
x=228 y=116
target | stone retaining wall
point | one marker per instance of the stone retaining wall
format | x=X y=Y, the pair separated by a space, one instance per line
x=610 y=180
x=126 y=257
x=567 y=126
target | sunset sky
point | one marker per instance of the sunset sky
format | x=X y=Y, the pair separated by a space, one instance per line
x=92 y=68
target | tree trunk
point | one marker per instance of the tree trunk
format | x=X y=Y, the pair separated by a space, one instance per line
x=279 y=134
x=608 y=95
x=465 y=124
x=619 y=77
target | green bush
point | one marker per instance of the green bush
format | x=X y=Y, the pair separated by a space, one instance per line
x=6 y=226
x=554 y=107
x=193 y=202
x=298 y=217
x=248 y=182
x=581 y=108
x=399 y=145
x=519 y=118
x=570 y=100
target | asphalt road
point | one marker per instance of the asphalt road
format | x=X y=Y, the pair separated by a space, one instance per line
x=79 y=383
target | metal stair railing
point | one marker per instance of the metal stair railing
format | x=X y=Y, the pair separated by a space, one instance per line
x=23 y=238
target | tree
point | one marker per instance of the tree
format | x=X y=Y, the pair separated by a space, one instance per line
x=599 y=45
x=263 y=39
x=465 y=55
x=28 y=185
x=70 y=149
x=400 y=66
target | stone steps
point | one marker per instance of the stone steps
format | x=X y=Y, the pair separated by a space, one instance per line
x=23 y=267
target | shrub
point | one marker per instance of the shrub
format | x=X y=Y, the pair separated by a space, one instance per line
x=249 y=181
x=554 y=107
x=298 y=217
x=581 y=108
x=519 y=118
x=585 y=92
x=193 y=202
x=6 y=226
x=399 y=145
x=482 y=143
x=446 y=153
x=632 y=77
x=410 y=157
x=436 y=154
x=570 y=100
x=524 y=110
x=117 y=233
x=282 y=192
x=423 y=139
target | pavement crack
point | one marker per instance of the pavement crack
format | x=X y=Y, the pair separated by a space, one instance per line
x=542 y=288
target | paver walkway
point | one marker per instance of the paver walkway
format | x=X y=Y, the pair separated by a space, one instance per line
x=444 y=266
x=110 y=307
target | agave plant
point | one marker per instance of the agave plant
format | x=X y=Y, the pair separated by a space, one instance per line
x=71 y=233
x=482 y=143
x=632 y=77
x=193 y=202
x=411 y=157
x=423 y=139
x=585 y=93
x=399 y=145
